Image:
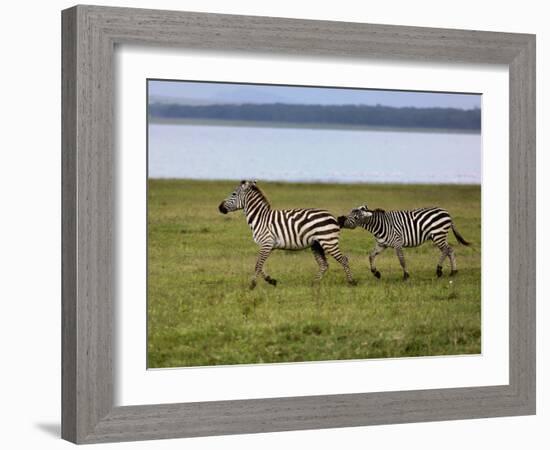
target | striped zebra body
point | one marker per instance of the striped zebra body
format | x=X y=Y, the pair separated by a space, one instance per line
x=293 y=229
x=408 y=228
x=400 y=229
x=289 y=229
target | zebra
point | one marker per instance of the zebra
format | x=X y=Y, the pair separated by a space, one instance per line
x=399 y=229
x=289 y=229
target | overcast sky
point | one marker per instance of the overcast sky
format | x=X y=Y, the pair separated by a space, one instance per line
x=209 y=93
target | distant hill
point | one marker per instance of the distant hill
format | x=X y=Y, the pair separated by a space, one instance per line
x=342 y=115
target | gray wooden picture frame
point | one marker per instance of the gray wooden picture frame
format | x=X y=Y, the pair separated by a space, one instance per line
x=90 y=34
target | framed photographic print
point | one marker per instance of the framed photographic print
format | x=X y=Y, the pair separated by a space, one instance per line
x=268 y=222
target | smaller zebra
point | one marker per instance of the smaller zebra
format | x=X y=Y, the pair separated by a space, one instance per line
x=399 y=229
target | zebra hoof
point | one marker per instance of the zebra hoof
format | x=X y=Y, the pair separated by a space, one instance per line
x=439 y=271
x=406 y=276
x=271 y=281
x=352 y=282
x=454 y=272
x=376 y=273
x=252 y=284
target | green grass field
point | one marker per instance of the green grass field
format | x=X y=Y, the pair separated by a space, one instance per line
x=201 y=312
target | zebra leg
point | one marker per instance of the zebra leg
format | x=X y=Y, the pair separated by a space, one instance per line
x=265 y=251
x=372 y=256
x=439 y=269
x=321 y=259
x=334 y=251
x=401 y=257
x=270 y=280
x=452 y=259
x=446 y=251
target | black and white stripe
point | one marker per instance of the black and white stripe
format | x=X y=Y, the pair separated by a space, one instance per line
x=290 y=229
x=399 y=229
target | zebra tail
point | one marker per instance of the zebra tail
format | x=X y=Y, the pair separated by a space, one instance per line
x=341 y=221
x=458 y=236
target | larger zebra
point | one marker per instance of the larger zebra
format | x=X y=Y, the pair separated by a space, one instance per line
x=399 y=229
x=290 y=229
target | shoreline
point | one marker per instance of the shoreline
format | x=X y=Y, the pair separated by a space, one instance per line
x=312 y=126
x=316 y=182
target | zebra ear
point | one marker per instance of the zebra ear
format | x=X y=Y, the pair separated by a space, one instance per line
x=254 y=182
x=243 y=181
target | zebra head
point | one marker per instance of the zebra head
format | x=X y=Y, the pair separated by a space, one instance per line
x=356 y=217
x=236 y=200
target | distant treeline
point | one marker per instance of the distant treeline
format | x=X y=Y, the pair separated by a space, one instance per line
x=358 y=115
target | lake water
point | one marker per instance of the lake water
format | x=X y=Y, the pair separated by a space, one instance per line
x=312 y=155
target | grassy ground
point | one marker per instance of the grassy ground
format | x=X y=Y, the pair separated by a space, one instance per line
x=200 y=311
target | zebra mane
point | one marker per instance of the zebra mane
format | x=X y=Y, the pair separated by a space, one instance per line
x=259 y=191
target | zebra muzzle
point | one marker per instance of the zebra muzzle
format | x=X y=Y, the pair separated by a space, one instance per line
x=222 y=208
